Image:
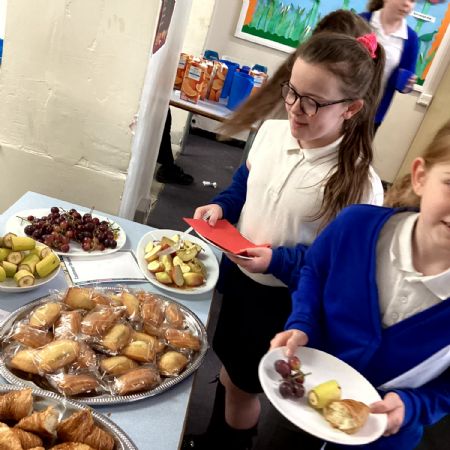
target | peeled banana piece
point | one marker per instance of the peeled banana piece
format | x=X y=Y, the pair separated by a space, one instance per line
x=23 y=278
x=320 y=396
x=19 y=243
x=47 y=265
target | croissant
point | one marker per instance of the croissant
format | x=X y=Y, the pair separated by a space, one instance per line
x=46 y=315
x=8 y=440
x=68 y=325
x=43 y=423
x=80 y=427
x=16 y=404
x=72 y=446
x=346 y=415
x=31 y=337
x=27 y=439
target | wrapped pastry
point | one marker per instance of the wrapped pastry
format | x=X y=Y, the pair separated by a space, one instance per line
x=117 y=337
x=100 y=320
x=152 y=311
x=30 y=336
x=131 y=304
x=43 y=423
x=57 y=354
x=153 y=330
x=76 y=384
x=172 y=363
x=79 y=298
x=26 y=361
x=174 y=316
x=140 y=351
x=16 y=404
x=182 y=339
x=72 y=446
x=80 y=427
x=46 y=315
x=86 y=359
x=68 y=325
x=27 y=440
x=158 y=344
x=8 y=440
x=117 y=365
x=105 y=300
x=347 y=415
x=136 y=380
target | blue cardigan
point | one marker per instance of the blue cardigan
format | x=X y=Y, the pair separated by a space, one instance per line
x=286 y=262
x=408 y=61
x=336 y=305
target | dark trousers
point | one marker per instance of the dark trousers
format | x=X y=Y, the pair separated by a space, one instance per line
x=165 y=155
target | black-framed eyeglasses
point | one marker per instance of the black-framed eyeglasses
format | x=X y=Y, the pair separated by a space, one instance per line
x=308 y=105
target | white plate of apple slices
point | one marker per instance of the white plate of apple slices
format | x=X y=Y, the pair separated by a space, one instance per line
x=177 y=262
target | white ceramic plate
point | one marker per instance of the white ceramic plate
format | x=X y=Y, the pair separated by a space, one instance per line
x=10 y=286
x=16 y=225
x=220 y=248
x=323 y=367
x=207 y=257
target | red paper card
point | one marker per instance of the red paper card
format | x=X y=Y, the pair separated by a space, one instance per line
x=223 y=234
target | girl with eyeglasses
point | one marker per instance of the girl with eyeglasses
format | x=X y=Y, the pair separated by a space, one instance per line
x=299 y=174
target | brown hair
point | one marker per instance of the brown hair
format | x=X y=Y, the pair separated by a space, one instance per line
x=401 y=192
x=267 y=101
x=360 y=76
x=374 y=5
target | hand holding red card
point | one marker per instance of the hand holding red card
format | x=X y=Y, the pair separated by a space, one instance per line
x=223 y=234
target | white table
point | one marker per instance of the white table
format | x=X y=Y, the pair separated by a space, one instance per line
x=153 y=423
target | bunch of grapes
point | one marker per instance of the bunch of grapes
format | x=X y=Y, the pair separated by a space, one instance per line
x=59 y=227
x=291 y=385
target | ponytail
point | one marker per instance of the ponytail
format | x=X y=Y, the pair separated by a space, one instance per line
x=375 y=5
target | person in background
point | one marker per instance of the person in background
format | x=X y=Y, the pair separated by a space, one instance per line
x=169 y=172
x=299 y=174
x=390 y=268
x=400 y=42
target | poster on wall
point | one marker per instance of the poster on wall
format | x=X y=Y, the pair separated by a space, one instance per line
x=283 y=24
x=165 y=16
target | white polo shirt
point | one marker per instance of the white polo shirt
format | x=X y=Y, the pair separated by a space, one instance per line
x=285 y=190
x=402 y=290
x=393 y=44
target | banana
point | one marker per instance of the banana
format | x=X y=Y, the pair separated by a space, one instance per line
x=29 y=263
x=10 y=268
x=2 y=274
x=7 y=239
x=24 y=278
x=41 y=250
x=4 y=252
x=47 y=265
x=324 y=393
x=19 y=243
x=15 y=257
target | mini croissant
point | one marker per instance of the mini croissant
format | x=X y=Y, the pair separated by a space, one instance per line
x=347 y=415
x=27 y=439
x=16 y=404
x=8 y=440
x=72 y=446
x=43 y=423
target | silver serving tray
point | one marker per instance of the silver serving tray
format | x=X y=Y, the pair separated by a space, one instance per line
x=42 y=399
x=192 y=321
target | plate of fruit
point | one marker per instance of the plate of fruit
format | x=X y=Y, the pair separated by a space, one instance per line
x=177 y=262
x=25 y=264
x=69 y=232
x=322 y=395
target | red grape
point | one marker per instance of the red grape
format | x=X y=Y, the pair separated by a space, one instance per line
x=282 y=367
x=294 y=362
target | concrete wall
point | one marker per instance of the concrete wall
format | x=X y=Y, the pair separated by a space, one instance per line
x=70 y=83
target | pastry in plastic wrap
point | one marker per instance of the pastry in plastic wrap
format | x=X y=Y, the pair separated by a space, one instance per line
x=43 y=423
x=347 y=415
x=117 y=337
x=172 y=363
x=136 y=380
x=182 y=339
x=86 y=358
x=27 y=440
x=158 y=344
x=152 y=311
x=26 y=361
x=31 y=336
x=117 y=365
x=131 y=304
x=16 y=404
x=140 y=351
x=100 y=320
x=46 y=315
x=80 y=427
x=71 y=446
x=174 y=316
x=8 y=440
x=79 y=298
x=68 y=325
x=57 y=354
x=76 y=384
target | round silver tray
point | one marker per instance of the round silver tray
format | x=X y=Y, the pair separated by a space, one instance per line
x=192 y=321
x=66 y=407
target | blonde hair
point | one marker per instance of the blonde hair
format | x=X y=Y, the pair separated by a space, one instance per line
x=401 y=193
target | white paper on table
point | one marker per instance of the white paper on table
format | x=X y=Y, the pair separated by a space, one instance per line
x=119 y=266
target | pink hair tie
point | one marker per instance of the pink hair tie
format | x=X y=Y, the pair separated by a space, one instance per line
x=370 y=42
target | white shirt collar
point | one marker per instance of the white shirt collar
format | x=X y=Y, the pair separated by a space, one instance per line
x=401 y=256
x=401 y=32
x=312 y=154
